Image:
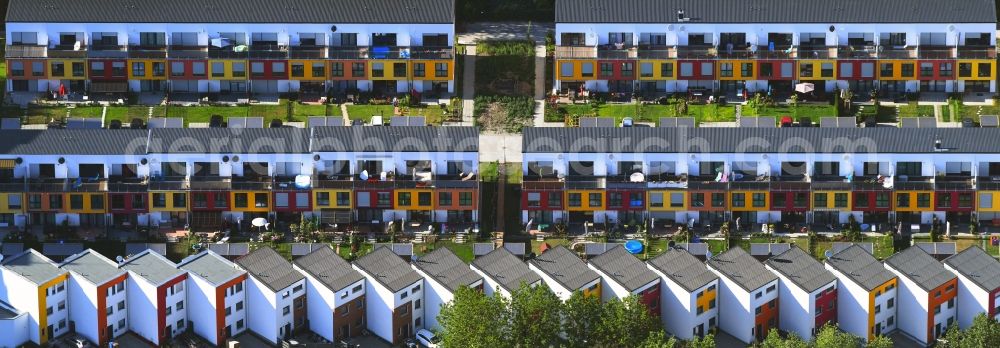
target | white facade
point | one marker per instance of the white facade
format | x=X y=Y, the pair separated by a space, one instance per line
x=380 y=302
x=914 y=308
x=678 y=308
x=15 y=328
x=853 y=307
x=266 y=311
x=562 y=292
x=797 y=312
x=84 y=313
x=202 y=308
x=143 y=308
x=23 y=295
x=611 y=289
x=436 y=296
x=737 y=306
x=322 y=303
x=972 y=299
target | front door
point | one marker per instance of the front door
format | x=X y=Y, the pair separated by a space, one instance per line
x=288 y=330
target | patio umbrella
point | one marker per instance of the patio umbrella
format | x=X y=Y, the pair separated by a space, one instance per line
x=62 y=89
x=805 y=87
x=259 y=222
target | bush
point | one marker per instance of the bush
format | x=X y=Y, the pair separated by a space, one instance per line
x=522 y=48
x=504 y=113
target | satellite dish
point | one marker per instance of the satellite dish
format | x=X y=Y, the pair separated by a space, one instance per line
x=236 y=158
x=19 y=160
x=708 y=255
x=62 y=160
x=119 y=258
x=316 y=158
x=833 y=28
x=670 y=27
x=951 y=27
x=225 y=159
x=828 y=253
x=333 y=28
x=143 y=161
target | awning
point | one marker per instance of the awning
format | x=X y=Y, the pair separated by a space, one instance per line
x=109 y=87
x=7 y=164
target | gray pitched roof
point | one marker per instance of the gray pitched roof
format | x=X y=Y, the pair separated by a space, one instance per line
x=447 y=269
x=839 y=246
x=59 y=251
x=624 y=268
x=978 y=266
x=7 y=311
x=515 y=248
x=136 y=248
x=92 y=266
x=270 y=268
x=230 y=249
x=33 y=266
x=758 y=140
x=395 y=139
x=232 y=11
x=152 y=266
x=683 y=268
x=301 y=249
x=920 y=267
x=594 y=249
x=328 y=268
x=229 y=140
x=480 y=249
x=73 y=141
x=861 y=267
x=388 y=269
x=802 y=269
x=774 y=11
x=210 y=266
x=565 y=268
x=937 y=248
x=506 y=269
x=737 y=265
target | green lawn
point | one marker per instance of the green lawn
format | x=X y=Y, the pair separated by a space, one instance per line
x=304 y=110
x=812 y=111
x=433 y=114
x=962 y=244
x=552 y=242
x=913 y=110
x=462 y=250
x=962 y=111
x=653 y=112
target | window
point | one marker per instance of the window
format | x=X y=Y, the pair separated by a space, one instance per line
x=555 y=200
x=257 y=69
x=906 y=69
x=819 y=200
x=356 y=288
x=923 y=200
x=180 y=305
x=878 y=309
x=14 y=202
x=180 y=200
x=239 y=306
x=926 y=69
x=945 y=69
x=139 y=69
x=76 y=202
x=278 y=68
x=534 y=199
x=403 y=295
x=24 y=38
x=666 y=69
x=697 y=199
x=416 y=304
x=964 y=69
x=886 y=69
x=771 y=288
x=903 y=200
x=826 y=70
x=965 y=200
x=646 y=69
x=465 y=199
x=881 y=199
x=890 y=303
x=759 y=200
x=766 y=69
x=419 y=70
x=985 y=200
x=378 y=70
x=440 y=69
x=806 y=70
x=595 y=200
x=860 y=200
x=726 y=70
x=286 y=310
x=404 y=198
x=239 y=324
x=58 y=69
x=943 y=200
x=614 y=199
x=337 y=69
x=779 y=199
x=109 y=310
x=298 y=70
x=984 y=70
x=77 y=69
x=55 y=202
x=738 y=200
x=96 y=68
x=575 y=199
x=606 y=70
x=239 y=69
x=358 y=69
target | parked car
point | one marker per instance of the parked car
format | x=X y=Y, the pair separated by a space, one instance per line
x=427 y=338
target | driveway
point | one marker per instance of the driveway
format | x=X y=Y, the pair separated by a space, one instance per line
x=504 y=31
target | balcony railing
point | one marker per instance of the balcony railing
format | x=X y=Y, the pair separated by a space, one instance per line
x=260 y=183
x=571 y=52
x=140 y=51
x=67 y=51
x=227 y=53
x=890 y=52
x=616 y=52
x=108 y=51
x=857 y=51
x=697 y=52
x=187 y=52
x=210 y=183
x=307 y=52
x=348 y=52
x=432 y=52
x=813 y=52
x=936 y=52
x=46 y=185
x=127 y=185
x=26 y=51
x=268 y=51
x=977 y=52
x=13 y=185
x=656 y=52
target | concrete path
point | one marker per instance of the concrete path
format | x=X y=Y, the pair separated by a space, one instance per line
x=539 y=93
x=468 y=85
x=343 y=113
x=500 y=148
x=938 y=114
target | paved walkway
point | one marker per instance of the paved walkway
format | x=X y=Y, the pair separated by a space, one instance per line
x=476 y=32
x=500 y=148
x=468 y=85
x=343 y=112
x=539 y=94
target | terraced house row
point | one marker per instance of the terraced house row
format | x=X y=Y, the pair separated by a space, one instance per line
x=233 y=46
x=731 y=47
x=817 y=178
x=393 y=296
x=213 y=179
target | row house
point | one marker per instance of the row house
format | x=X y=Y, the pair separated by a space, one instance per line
x=748 y=295
x=443 y=273
x=589 y=178
x=156 y=297
x=335 y=294
x=564 y=273
x=808 y=292
x=978 y=284
x=310 y=48
x=927 y=295
x=394 y=295
x=98 y=305
x=689 y=294
x=209 y=179
x=35 y=285
x=276 y=295
x=503 y=273
x=866 y=293
x=623 y=275
x=216 y=295
x=14 y=324
x=654 y=47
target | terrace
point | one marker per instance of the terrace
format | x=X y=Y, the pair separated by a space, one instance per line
x=107 y=51
x=26 y=51
x=68 y=51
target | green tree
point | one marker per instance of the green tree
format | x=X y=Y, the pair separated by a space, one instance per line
x=774 y=340
x=625 y=323
x=880 y=342
x=984 y=332
x=705 y=342
x=535 y=314
x=831 y=337
x=581 y=314
x=658 y=339
x=473 y=319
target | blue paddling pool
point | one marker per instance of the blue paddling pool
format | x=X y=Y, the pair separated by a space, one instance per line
x=633 y=246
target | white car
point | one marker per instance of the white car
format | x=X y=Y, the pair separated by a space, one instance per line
x=427 y=338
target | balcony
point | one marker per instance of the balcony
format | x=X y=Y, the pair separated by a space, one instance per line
x=229 y=52
x=575 y=52
x=46 y=185
x=892 y=52
x=187 y=52
x=307 y=52
x=86 y=185
x=585 y=182
x=120 y=184
x=389 y=52
x=952 y=182
x=168 y=183
x=904 y=182
x=857 y=51
x=656 y=52
x=252 y=183
x=146 y=51
x=210 y=183
x=625 y=182
x=937 y=52
x=977 y=52
x=816 y=52
x=988 y=183
x=542 y=184
x=107 y=51
x=67 y=51
x=698 y=52
x=455 y=181
x=706 y=182
x=268 y=51
x=26 y=51
x=616 y=52
x=12 y=185
x=332 y=181
x=348 y=52
x=432 y=52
